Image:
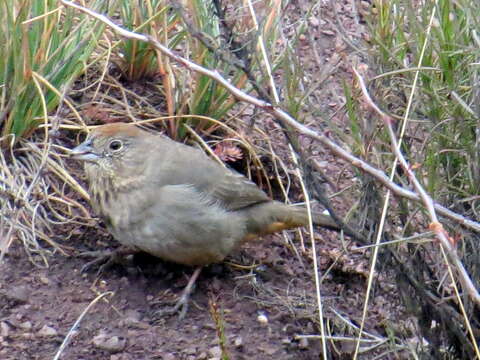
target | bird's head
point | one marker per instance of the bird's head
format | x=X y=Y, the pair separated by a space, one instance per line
x=114 y=149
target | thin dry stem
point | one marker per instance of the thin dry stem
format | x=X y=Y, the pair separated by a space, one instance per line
x=263 y=51
x=77 y=323
x=386 y=204
x=314 y=256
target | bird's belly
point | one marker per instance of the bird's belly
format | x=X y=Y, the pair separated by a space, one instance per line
x=174 y=228
x=169 y=243
x=167 y=247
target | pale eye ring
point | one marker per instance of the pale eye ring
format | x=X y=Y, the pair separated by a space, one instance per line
x=115 y=145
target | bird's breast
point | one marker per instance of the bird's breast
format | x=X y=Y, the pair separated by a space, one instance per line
x=117 y=200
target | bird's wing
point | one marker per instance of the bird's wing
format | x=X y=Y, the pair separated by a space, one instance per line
x=234 y=191
x=182 y=164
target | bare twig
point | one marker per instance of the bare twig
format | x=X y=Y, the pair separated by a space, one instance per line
x=321 y=315
x=74 y=327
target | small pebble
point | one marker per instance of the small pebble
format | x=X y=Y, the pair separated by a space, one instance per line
x=109 y=343
x=190 y=350
x=262 y=319
x=314 y=21
x=303 y=344
x=4 y=329
x=168 y=356
x=26 y=325
x=238 y=342
x=203 y=356
x=215 y=352
x=46 y=331
x=18 y=294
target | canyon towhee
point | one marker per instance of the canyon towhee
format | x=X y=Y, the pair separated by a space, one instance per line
x=172 y=201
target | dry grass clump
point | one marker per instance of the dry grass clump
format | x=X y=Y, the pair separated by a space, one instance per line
x=38 y=199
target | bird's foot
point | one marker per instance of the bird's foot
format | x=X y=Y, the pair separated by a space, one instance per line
x=104 y=259
x=180 y=308
x=182 y=304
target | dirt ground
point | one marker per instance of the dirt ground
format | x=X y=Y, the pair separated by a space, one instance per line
x=262 y=310
x=255 y=306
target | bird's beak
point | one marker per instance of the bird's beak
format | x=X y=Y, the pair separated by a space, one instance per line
x=84 y=152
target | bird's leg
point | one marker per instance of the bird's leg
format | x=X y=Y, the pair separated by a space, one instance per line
x=181 y=306
x=105 y=258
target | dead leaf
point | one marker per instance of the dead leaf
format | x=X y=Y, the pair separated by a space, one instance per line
x=227 y=151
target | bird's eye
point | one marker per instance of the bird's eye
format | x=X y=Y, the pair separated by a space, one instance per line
x=115 y=145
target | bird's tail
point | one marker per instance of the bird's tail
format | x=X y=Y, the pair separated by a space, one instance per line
x=273 y=216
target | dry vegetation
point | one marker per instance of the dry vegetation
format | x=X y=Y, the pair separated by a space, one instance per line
x=390 y=286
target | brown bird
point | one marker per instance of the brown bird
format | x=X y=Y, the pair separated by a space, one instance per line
x=172 y=201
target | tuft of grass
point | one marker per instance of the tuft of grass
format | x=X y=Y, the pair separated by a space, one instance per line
x=36 y=203
x=214 y=35
x=218 y=317
x=445 y=113
x=137 y=59
x=206 y=47
x=45 y=47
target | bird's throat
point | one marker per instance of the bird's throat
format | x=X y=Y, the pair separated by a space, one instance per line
x=106 y=187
